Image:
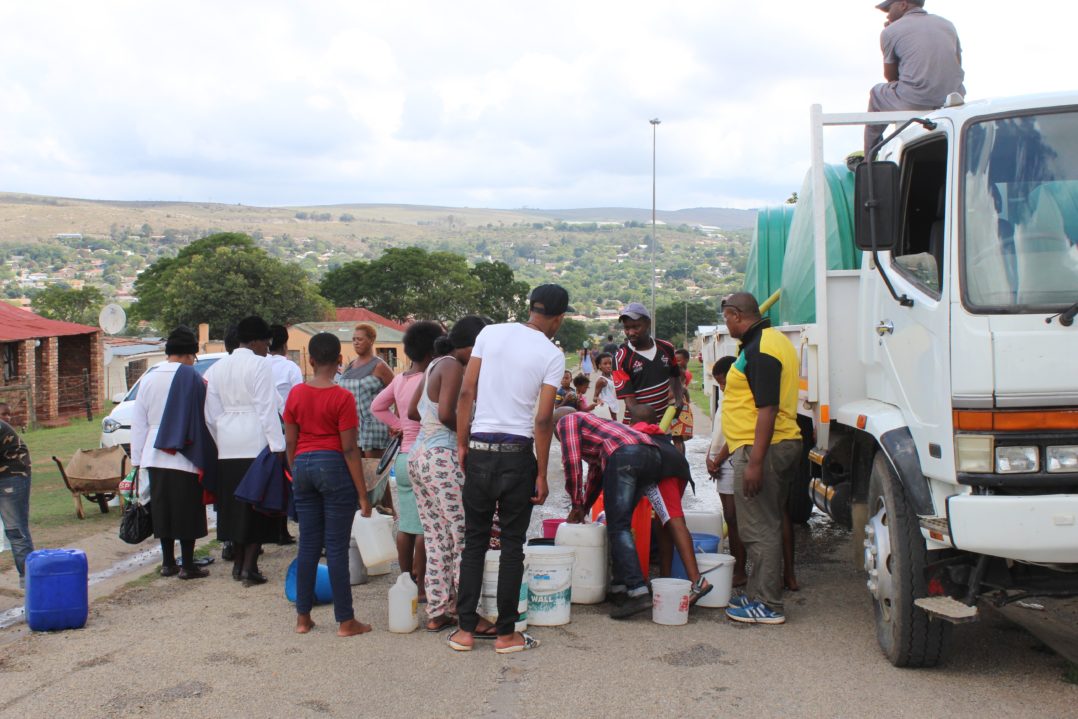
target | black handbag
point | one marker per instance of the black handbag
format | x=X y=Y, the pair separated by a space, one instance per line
x=136 y=524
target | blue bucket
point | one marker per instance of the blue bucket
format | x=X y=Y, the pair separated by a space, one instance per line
x=323 y=593
x=57 y=592
x=701 y=544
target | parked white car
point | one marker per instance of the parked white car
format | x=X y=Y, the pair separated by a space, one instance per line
x=116 y=428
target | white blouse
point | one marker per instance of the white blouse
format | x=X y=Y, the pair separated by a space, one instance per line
x=241 y=406
x=150 y=402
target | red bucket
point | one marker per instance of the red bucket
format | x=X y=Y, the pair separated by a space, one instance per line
x=550 y=527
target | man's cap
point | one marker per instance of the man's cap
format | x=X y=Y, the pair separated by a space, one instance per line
x=888 y=3
x=549 y=300
x=635 y=311
x=252 y=329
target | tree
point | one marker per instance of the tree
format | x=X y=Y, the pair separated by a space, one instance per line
x=63 y=303
x=670 y=319
x=499 y=295
x=572 y=335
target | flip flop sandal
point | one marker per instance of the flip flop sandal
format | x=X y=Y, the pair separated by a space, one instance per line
x=445 y=623
x=530 y=642
x=491 y=633
x=457 y=646
x=698 y=591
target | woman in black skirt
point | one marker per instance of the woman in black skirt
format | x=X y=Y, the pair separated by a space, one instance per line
x=243 y=415
x=175 y=490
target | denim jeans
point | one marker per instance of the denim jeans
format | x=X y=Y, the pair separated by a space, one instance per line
x=629 y=470
x=15 y=513
x=504 y=481
x=326 y=503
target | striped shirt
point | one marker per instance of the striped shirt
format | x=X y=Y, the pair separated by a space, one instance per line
x=645 y=380
x=585 y=437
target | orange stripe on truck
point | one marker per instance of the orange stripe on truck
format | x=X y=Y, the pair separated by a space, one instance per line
x=1014 y=420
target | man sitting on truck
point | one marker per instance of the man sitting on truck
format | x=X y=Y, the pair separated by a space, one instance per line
x=759 y=420
x=922 y=63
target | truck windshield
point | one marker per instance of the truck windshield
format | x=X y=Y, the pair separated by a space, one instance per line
x=1020 y=177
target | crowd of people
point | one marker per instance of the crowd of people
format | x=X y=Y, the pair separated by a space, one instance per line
x=471 y=419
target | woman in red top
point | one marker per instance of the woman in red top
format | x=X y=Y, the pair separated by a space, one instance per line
x=327 y=482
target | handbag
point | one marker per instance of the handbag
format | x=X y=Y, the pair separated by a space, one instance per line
x=136 y=524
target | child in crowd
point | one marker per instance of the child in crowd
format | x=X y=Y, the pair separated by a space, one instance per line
x=577 y=399
x=665 y=497
x=681 y=429
x=15 y=491
x=566 y=388
x=605 y=394
x=722 y=471
x=320 y=433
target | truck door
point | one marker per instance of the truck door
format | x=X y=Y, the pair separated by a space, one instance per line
x=914 y=349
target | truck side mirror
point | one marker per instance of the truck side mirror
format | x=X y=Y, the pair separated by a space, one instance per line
x=880 y=211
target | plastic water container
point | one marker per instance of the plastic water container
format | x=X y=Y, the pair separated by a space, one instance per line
x=323 y=592
x=701 y=543
x=377 y=570
x=591 y=569
x=357 y=570
x=550 y=584
x=403 y=605
x=705 y=522
x=374 y=537
x=57 y=592
x=550 y=527
x=488 y=602
x=718 y=569
x=670 y=601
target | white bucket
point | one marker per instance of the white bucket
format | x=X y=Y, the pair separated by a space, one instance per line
x=591 y=568
x=357 y=570
x=488 y=602
x=705 y=522
x=718 y=569
x=550 y=584
x=379 y=569
x=374 y=537
x=670 y=601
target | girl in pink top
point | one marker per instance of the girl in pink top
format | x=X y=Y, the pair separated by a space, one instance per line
x=419 y=348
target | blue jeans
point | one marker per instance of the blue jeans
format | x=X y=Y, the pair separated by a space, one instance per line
x=326 y=503
x=629 y=470
x=15 y=513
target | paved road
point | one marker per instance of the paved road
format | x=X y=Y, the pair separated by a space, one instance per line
x=214 y=649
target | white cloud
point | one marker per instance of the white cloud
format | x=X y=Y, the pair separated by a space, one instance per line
x=473 y=103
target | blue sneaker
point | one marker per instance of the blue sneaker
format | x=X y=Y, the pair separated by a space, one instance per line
x=755 y=613
x=739 y=600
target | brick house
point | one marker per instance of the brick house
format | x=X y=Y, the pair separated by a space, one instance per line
x=52 y=370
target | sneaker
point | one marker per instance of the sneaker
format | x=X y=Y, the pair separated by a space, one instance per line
x=632 y=605
x=739 y=600
x=755 y=613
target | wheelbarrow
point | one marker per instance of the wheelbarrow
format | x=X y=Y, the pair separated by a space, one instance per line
x=94 y=474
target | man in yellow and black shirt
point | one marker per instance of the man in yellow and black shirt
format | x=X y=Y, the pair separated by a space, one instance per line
x=759 y=421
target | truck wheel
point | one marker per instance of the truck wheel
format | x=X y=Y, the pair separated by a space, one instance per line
x=895 y=558
x=799 y=503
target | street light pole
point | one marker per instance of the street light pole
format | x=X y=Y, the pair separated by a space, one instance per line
x=654 y=239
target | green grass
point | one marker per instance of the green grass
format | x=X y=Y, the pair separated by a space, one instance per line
x=696 y=390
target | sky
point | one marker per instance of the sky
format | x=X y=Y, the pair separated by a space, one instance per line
x=471 y=103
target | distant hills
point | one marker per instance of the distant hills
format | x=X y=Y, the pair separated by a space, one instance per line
x=721 y=217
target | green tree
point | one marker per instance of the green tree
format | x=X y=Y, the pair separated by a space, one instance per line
x=63 y=303
x=499 y=296
x=670 y=319
x=572 y=335
x=232 y=282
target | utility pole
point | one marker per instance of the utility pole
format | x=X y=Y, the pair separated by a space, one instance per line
x=654 y=238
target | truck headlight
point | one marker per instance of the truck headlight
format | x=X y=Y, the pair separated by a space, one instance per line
x=973 y=452
x=109 y=425
x=1062 y=459
x=1017 y=460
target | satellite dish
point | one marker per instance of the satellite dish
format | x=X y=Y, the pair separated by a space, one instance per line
x=112 y=319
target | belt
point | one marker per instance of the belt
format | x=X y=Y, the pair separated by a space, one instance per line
x=504 y=447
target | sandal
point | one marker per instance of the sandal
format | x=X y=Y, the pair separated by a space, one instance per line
x=530 y=642
x=440 y=623
x=490 y=632
x=457 y=646
x=698 y=590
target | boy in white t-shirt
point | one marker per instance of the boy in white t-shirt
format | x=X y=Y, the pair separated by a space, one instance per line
x=512 y=379
x=722 y=471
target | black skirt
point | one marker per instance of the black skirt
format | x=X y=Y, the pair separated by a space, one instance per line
x=238 y=521
x=176 y=504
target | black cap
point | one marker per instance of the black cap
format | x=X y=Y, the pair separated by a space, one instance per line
x=181 y=341
x=252 y=329
x=549 y=300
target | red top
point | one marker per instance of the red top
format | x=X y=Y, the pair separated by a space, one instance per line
x=321 y=413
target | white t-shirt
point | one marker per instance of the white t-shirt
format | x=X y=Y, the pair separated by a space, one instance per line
x=517 y=362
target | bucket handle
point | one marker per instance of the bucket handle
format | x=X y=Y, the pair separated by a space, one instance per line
x=717 y=566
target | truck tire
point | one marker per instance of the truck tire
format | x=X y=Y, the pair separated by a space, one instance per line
x=895 y=559
x=799 y=503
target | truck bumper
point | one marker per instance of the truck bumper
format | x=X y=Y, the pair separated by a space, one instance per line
x=1041 y=528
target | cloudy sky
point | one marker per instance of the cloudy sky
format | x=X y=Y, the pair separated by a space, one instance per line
x=467 y=103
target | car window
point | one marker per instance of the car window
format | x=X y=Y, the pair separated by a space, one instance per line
x=133 y=393
x=202 y=365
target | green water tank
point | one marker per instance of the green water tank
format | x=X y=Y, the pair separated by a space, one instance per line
x=763 y=273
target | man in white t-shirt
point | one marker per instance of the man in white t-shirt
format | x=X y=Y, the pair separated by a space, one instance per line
x=286 y=373
x=512 y=379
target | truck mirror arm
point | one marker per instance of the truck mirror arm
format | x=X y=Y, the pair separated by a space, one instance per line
x=872 y=203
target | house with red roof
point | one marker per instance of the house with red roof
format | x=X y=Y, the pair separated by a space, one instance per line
x=362 y=314
x=51 y=369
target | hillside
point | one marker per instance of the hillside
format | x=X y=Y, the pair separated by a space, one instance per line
x=602 y=255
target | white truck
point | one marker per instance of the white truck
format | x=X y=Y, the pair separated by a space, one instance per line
x=941 y=378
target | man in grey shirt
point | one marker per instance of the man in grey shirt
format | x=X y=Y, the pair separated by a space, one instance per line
x=922 y=63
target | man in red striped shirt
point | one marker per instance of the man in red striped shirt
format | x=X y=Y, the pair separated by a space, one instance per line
x=622 y=463
x=645 y=367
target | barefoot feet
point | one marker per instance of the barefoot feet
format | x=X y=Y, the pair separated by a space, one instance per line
x=352 y=627
x=304 y=623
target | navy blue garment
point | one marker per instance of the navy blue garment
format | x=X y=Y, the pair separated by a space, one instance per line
x=183 y=425
x=265 y=485
x=674 y=463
